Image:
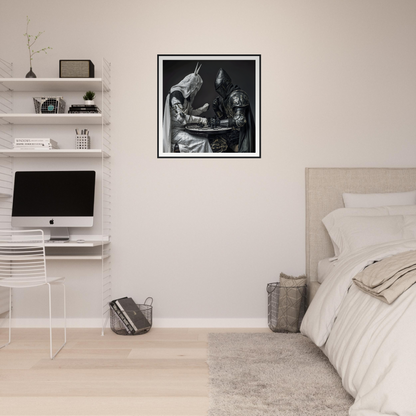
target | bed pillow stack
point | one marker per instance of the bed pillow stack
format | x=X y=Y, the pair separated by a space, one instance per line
x=364 y=223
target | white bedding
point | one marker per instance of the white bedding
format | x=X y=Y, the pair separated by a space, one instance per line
x=371 y=344
x=325 y=267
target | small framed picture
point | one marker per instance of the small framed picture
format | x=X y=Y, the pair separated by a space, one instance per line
x=208 y=106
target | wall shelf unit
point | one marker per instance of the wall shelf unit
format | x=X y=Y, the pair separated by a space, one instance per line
x=56 y=119
x=84 y=153
x=80 y=257
x=72 y=244
x=14 y=92
x=53 y=84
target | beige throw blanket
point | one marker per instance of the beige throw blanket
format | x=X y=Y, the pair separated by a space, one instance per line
x=290 y=299
x=389 y=278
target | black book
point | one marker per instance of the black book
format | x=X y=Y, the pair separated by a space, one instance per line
x=133 y=314
x=84 y=112
x=90 y=109
x=84 y=108
x=121 y=317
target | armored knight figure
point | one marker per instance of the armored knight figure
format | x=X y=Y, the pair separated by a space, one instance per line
x=233 y=109
x=179 y=112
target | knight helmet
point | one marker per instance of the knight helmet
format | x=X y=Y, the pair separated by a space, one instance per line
x=222 y=83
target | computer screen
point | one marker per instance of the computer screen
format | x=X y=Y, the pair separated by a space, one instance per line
x=53 y=199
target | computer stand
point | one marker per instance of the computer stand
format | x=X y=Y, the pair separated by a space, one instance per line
x=59 y=234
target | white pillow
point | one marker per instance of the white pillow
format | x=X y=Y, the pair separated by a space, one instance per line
x=352 y=233
x=333 y=218
x=379 y=200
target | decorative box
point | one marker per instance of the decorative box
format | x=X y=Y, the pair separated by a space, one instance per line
x=72 y=68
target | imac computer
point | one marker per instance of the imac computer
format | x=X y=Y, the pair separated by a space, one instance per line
x=54 y=199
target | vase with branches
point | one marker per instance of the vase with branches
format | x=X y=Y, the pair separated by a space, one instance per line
x=31 y=39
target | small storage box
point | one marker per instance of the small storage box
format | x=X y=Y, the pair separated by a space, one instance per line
x=119 y=328
x=286 y=307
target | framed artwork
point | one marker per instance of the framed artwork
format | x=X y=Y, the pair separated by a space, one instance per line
x=208 y=106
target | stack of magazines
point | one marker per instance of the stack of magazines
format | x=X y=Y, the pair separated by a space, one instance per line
x=35 y=144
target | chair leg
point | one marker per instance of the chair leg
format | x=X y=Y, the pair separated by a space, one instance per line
x=10 y=319
x=50 y=321
x=64 y=312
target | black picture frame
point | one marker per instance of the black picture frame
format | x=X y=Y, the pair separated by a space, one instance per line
x=244 y=71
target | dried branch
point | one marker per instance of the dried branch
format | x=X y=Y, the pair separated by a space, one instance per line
x=31 y=41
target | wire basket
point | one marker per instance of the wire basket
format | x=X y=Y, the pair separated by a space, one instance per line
x=49 y=105
x=286 y=307
x=117 y=325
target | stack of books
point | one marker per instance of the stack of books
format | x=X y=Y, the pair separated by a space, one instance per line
x=35 y=144
x=83 y=109
x=130 y=315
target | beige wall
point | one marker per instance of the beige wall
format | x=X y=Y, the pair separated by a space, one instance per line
x=203 y=237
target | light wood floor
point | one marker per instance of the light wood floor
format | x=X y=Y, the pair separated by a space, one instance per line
x=162 y=373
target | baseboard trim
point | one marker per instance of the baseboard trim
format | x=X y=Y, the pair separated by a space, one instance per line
x=157 y=323
x=210 y=323
x=56 y=323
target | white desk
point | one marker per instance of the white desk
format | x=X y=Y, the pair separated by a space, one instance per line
x=72 y=250
x=74 y=243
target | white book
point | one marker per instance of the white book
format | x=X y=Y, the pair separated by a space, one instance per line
x=29 y=149
x=35 y=140
x=34 y=145
x=29 y=139
x=34 y=148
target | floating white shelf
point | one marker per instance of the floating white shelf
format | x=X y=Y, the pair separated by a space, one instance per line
x=60 y=244
x=75 y=244
x=61 y=119
x=82 y=153
x=86 y=257
x=52 y=84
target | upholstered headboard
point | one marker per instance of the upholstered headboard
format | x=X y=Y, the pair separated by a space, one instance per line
x=324 y=189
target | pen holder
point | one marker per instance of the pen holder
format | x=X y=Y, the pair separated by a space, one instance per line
x=82 y=141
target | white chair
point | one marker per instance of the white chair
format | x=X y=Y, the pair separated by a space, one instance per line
x=23 y=265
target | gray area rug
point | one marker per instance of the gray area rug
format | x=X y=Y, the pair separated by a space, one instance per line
x=272 y=374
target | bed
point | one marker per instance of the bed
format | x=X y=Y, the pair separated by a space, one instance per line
x=370 y=343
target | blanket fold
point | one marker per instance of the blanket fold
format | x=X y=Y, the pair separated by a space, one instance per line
x=388 y=278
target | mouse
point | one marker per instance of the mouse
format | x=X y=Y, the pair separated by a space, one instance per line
x=80 y=241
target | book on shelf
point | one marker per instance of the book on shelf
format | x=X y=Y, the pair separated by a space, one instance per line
x=34 y=147
x=35 y=139
x=84 y=112
x=133 y=314
x=82 y=108
x=35 y=144
x=121 y=317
